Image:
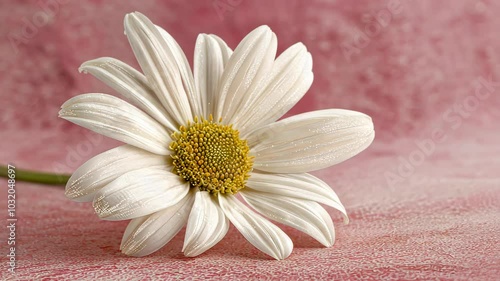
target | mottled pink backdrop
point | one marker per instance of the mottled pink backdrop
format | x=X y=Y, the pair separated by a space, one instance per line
x=424 y=199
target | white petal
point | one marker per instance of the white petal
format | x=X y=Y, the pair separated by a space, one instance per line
x=264 y=235
x=304 y=215
x=250 y=63
x=159 y=65
x=206 y=226
x=185 y=71
x=289 y=80
x=117 y=119
x=106 y=167
x=310 y=141
x=139 y=193
x=210 y=57
x=134 y=224
x=131 y=84
x=148 y=234
x=301 y=186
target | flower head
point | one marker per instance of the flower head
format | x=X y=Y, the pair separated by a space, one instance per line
x=197 y=142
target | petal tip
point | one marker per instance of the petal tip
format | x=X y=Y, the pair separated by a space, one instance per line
x=262 y=29
x=346 y=220
x=127 y=251
x=69 y=194
x=85 y=66
x=128 y=20
x=190 y=253
x=61 y=114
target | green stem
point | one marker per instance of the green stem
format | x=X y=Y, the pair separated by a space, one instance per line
x=34 y=176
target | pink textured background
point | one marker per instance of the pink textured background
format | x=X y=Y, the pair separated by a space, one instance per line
x=438 y=219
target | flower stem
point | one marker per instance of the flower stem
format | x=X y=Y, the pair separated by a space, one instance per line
x=34 y=176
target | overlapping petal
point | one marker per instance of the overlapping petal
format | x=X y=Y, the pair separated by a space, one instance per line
x=139 y=193
x=132 y=85
x=300 y=186
x=304 y=215
x=250 y=63
x=105 y=168
x=260 y=232
x=148 y=234
x=206 y=226
x=290 y=78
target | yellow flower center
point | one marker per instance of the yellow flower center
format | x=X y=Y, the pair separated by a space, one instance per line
x=211 y=156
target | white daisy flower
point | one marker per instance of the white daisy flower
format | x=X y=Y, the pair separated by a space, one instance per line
x=196 y=143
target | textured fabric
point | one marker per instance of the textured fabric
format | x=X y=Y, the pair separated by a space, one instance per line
x=423 y=200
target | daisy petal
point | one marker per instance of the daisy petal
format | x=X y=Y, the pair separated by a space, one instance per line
x=117 y=119
x=148 y=234
x=159 y=65
x=133 y=225
x=210 y=57
x=310 y=141
x=264 y=235
x=304 y=215
x=301 y=186
x=105 y=168
x=185 y=71
x=224 y=48
x=131 y=84
x=250 y=63
x=139 y=193
x=206 y=226
x=289 y=80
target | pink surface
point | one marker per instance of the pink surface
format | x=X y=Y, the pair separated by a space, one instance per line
x=424 y=200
